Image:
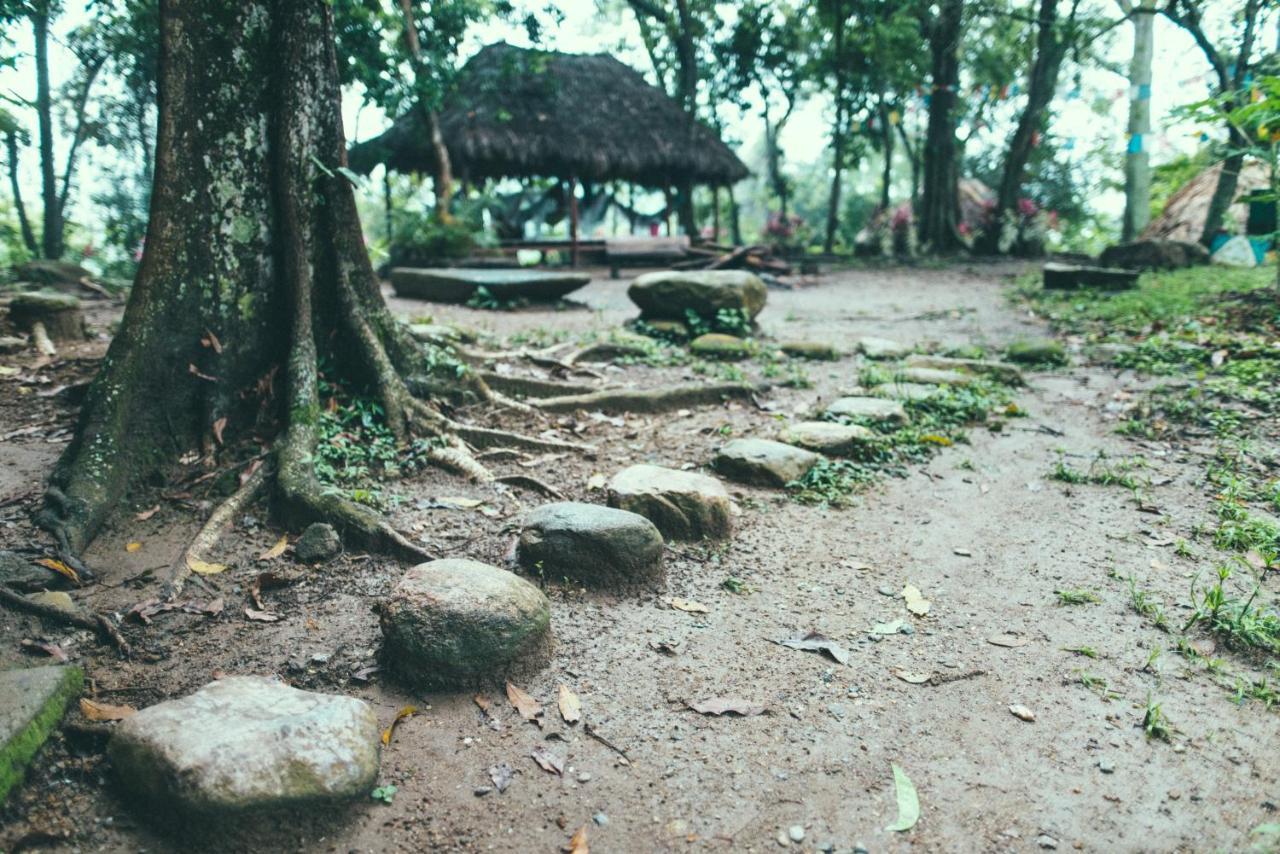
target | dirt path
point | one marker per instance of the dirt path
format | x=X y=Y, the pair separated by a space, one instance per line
x=981 y=530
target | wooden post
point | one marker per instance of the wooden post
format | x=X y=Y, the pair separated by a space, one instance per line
x=573 y=222
x=715 y=214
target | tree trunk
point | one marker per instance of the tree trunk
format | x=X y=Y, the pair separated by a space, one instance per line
x=255 y=269
x=443 y=179
x=735 y=223
x=940 y=199
x=15 y=187
x=833 y=198
x=51 y=233
x=1137 y=161
x=913 y=158
x=886 y=142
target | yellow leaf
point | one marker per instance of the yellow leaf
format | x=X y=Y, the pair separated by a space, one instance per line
x=96 y=711
x=60 y=568
x=201 y=567
x=578 y=844
x=916 y=603
x=935 y=439
x=527 y=706
x=406 y=712
x=276 y=550
x=688 y=606
x=132 y=547
x=570 y=705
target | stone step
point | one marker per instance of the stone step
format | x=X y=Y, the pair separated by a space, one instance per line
x=763 y=462
x=32 y=702
x=591 y=545
x=684 y=505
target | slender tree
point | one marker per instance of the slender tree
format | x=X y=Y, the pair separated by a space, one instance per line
x=1137 y=159
x=939 y=202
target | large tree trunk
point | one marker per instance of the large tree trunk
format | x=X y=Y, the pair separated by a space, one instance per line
x=51 y=233
x=1137 y=160
x=1051 y=49
x=940 y=201
x=255 y=268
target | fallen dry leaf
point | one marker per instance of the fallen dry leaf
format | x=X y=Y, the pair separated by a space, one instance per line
x=147 y=514
x=1022 y=713
x=688 y=605
x=201 y=567
x=218 y=427
x=95 y=711
x=963 y=552
x=913 y=678
x=529 y=708
x=727 y=706
x=60 y=568
x=50 y=649
x=1008 y=640
x=406 y=712
x=260 y=616
x=817 y=642
x=276 y=550
x=132 y=547
x=501 y=775
x=578 y=844
x=570 y=705
x=547 y=760
x=916 y=603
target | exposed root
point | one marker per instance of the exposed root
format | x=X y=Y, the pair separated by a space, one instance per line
x=532 y=387
x=604 y=351
x=207 y=538
x=99 y=623
x=485 y=437
x=524 y=481
x=458 y=459
x=649 y=400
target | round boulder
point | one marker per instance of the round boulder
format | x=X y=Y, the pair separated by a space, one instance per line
x=246 y=743
x=669 y=294
x=763 y=462
x=460 y=623
x=684 y=505
x=934 y=376
x=590 y=544
x=827 y=437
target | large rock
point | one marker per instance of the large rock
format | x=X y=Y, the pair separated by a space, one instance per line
x=1154 y=255
x=715 y=345
x=246 y=743
x=933 y=376
x=670 y=294
x=873 y=409
x=882 y=348
x=19 y=573
x=448 y=284
x=60 y=314
x=32 y=702
x=998 y=371
x=590 y=544
x=763 y=462
x=319 y=542
x=461 y=623
x=827 y=437
x=684 y=505
x=902 y=390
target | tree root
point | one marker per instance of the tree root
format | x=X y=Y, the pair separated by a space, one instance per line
x=485 y=437
x=524 y=481
x=99 y=623
x=211 y=531
x=532 y=387
x=649 y=400
x=605 y=351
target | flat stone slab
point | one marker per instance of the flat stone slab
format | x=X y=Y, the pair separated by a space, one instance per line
x=669 y=294
x=763 y=462
x=816 y=350
x=461 y=623
x=715 y=345
x=827 y=437
x=906 y=390
x=933 y=376
x=449 y=284
x=867 y=409
x=247 y=743
x=32 y=702
x=882 y=348
x=999 y=371
x=590 y=544
x=1070 y=276
x=684 y=505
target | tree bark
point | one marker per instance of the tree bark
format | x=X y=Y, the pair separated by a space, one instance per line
x=940 y=196
x=51 y=233
x=255 y=269
x=1137 y=161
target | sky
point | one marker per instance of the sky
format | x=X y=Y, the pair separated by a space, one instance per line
x=1180 y=75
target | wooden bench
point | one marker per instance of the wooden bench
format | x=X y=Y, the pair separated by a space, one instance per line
x=622 y=252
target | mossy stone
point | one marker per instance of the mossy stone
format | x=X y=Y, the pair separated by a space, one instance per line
x=32 y=702
x=1036 y=351
x=815 y=350
x=716 y=345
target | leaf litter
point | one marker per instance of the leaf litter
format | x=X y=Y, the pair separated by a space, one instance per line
x=570 y=705
x=908 y=802
x=529 y=708
x=814 y=641
x=727 y=706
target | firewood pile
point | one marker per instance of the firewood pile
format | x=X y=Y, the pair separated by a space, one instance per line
x=758 y=258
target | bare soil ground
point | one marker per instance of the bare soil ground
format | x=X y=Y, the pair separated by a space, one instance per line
x=981 y=530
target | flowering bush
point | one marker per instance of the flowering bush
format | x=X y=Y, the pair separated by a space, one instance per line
x=788 y=233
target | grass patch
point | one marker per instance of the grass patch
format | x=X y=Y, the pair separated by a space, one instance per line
x=1077 y=597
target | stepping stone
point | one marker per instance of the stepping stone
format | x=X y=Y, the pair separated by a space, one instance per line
x=763 y=462
x=827 y=437
x=867 y=409
x=318 y=542
x=32 y=702
x=449 y=284
x=684 y=505
x=458 y=623
x=1071 y=276
x=714 y=345
x=882 y=348
x=999 y=371
x=810 y=350
x=670 y=294
x=1037 y=351
x=590 y=544
x=933 y=376
x=246 y=743
x=56 y=599
x=906 y=391
x=60 y=314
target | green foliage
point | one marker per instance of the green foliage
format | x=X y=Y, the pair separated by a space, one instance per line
x=1077 y=597
x=421 y=236
x=730 y=321
x=1240 y=623
x=832 y=482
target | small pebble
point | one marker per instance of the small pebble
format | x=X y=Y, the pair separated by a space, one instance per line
x=584 y=777
x=886 y=590
x=481 y=791
x=796 y=832
x=600 y=819
x=1046 y=841
x=1106 y=766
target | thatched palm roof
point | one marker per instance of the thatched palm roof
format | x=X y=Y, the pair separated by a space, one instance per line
x=1187 y=209
x=527 y=113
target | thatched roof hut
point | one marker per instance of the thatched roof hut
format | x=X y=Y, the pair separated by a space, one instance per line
x=1187 y=209
x=535 y=113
